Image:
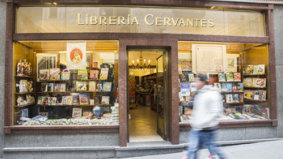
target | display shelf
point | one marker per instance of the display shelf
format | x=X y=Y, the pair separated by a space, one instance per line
x=74 y=92
x=254 y=88
x=231 y=92
x=44 y=81
x=53 y=92
x=21 y=106
x=233 y=103
x=259 y=75
x=24 y=76
x=76 y=105
x=24 y=93
x=229 y=82
x=254 y=101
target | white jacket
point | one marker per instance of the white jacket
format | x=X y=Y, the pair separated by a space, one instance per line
x=207 y=109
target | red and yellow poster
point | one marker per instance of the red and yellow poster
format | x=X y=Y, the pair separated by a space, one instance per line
x=76 y=55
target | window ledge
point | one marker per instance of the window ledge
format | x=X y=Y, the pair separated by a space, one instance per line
x=238 y=124
x=59 y=129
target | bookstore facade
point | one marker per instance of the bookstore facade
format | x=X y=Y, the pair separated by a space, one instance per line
x=88 y=69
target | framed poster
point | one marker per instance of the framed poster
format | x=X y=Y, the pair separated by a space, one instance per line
x=45 y=61
x=76 y=56
x=232 y=62
x=207 y=58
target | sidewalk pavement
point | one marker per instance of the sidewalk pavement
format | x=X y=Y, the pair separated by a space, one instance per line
x=261 y=150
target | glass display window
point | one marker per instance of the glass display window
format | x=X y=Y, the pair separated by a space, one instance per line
x=240 y=72
x=65 y=83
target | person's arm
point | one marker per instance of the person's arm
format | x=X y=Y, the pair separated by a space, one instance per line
x=215 y=105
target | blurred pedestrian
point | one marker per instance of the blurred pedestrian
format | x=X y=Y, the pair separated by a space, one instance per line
x=207 y=108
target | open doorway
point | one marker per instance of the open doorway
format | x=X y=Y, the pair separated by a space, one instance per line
x=147 y=94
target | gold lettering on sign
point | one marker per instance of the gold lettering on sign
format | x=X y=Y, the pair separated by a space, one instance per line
x=210 y=23
x=93 y=20
x=147 y=18
x=112 y=20
x=79 y=19
x=121 y=20
x=135 y=20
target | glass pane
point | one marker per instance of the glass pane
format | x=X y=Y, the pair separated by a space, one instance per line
x=140 y=20
x=65 y=83
x=241 y=77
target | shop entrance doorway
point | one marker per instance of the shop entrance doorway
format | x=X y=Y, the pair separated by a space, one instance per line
x=147 y=94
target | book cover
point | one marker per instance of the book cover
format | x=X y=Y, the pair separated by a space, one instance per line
x=67 y=100
x=50 y=100
x=44 y=87
x=44 y=100
x=81 y=86
x=229 y=76
x=57 y=87
x=262 y=95
x=256 y=95
x=249 y=70
x=248 y=82
x=223 y=98
x=82 y=74
x=259 y=82
x=99 y=86
x=50 y=87
x=224 y=87
x=105 y=99
x=235 y=88
x=255 y=71
x=92 y=86
x=76 y=98
x=229 y=98
x=83 y=99
x=107 y=86
x=59 y=100
x=221 y=77
x=39 y=100
x=185 y=89
x=238 y=87
x=62 y=87
x=93 y=74
x=261 y=69
x=24 y=113
x=191 y=77
x=249 y=95
x=65 y=74
x=237 y=76
x=54 y=74
x=241 y=98
x=104 y=73
x=77 y=112
x=54 y=100
x=236 y=98
x=44 y=74
x=218 y=86
x=229 y=87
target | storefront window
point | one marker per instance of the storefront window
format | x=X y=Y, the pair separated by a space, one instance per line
x=65 y=83
x=239 y=71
